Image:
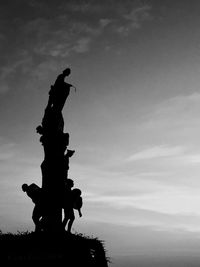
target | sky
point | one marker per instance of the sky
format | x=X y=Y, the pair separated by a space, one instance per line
x=134 y=120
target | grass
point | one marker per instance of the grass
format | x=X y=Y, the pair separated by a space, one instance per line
x=70 y=250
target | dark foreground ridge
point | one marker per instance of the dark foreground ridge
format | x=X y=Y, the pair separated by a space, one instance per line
x=33 y=249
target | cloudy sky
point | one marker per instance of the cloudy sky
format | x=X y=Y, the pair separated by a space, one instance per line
x=134 y=120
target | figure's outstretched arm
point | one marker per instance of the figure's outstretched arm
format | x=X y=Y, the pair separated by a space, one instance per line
x=70 y=85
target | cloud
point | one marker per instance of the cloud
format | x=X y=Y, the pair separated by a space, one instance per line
x=82 y=7
x=39 y=38
x=134 y=19
x=20 y=65
x=174 y=121
x=72 y=31
x=82 y=45
x=179 y=110
x=164 y=210
x=188 y=159
x=60 y=37
x=176 y=155
x=36 y=4
x=23 y=63
x=6 y=152
x=138 y=15
x=156 y=152
x=104 y=22
x=46 y=69
x=7 y=149
x=58 y=31
x=169 y=200
x=4 y=87
x=122 y=17
x=194 y=159
x=64 y=29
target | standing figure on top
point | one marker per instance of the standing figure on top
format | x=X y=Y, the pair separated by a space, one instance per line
x=59 y=91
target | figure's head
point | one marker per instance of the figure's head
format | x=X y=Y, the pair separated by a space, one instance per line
x=70 y=153
x=77 y=192
x=69 y=182
x=24 y=187
x=40 y=129
x=67 y=72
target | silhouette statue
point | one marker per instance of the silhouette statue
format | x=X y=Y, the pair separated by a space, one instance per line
x=55 y=165
x=35 y=193
x=56 y=192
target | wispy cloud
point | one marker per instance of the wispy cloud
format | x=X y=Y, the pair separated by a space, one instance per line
x=82 y=45
x=60 y=37
x=139 y=14
x=6 y=152
x=82 y=7
x=134 y=19
x=44 y=70
x=72 y=31
x=188 y=159
x=169 y=200
x=172 y=210
x=104 y=22
x=176 y=155
x=156 y=152
x=7 y=149
x=63 y=30
x=181 y=111
x=174 y=121
x=21 y=64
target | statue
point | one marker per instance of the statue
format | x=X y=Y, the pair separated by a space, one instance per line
x=55 y=165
